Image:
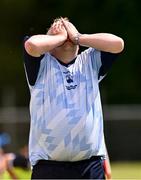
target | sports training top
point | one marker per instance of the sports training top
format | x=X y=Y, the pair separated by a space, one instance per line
x=65 y=106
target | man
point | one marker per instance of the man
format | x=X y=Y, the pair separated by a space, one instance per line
x=66 y=133
x=13 y=165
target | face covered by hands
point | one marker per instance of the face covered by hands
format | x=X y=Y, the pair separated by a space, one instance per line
x=63 y=27
x=57 y=28
x=71 y=30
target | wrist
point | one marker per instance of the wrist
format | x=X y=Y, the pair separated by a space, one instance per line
x=76 y=39
x=65 y=37
x=61 y=37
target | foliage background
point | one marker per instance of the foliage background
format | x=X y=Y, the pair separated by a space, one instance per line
x=28 y=17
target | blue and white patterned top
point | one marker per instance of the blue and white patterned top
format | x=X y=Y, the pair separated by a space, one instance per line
x=66 y=112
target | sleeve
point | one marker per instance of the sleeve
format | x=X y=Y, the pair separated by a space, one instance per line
x=107 y=60
x=32 y=65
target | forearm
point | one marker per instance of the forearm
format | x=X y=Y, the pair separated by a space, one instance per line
x=102 y=41
x=107 y=169
x=40 y=44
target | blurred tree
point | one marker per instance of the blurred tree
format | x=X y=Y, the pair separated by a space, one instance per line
x=27 y=17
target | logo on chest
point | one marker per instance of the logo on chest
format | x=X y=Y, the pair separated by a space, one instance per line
x=70 y=84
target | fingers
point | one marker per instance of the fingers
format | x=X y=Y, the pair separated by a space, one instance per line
x=71 y=30
x=56 y=28
x=69 y=26
x=65 y=23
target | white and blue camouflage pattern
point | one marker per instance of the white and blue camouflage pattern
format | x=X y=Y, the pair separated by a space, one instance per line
x=65 y=109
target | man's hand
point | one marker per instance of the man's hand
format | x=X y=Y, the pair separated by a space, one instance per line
x=40 y=44
x=58 y=28
x=71 y=30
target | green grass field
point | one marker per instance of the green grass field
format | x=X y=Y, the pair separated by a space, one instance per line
x=120 y=170
x=126 y=170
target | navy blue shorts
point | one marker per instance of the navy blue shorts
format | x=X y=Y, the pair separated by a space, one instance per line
x=85 y=169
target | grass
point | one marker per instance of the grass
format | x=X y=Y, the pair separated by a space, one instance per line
x=126 y=170
x=120 y=170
